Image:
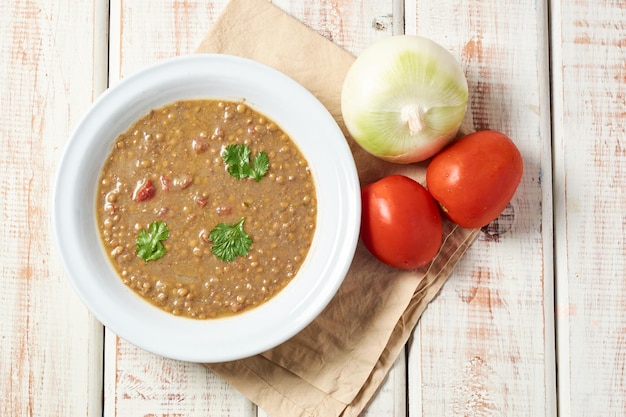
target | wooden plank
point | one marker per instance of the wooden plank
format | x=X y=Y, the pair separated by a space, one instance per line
x=138 y=383
x=351 y=24
x=144 y=32
x=50 y=350
x=589 y=93
x=354 y=25
x=485 y=346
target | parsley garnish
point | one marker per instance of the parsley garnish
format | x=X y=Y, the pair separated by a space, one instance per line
x=260 y=165
x=149 y=242
x=230 y=241
x=237 y=159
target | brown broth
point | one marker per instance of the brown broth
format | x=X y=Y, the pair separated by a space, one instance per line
x=178 y=149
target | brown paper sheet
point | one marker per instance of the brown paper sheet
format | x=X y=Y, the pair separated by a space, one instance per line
x=336 y=364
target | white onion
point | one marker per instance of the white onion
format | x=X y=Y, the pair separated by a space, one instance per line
x=404 y=98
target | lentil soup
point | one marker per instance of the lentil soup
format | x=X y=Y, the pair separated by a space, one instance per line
x=169 y=168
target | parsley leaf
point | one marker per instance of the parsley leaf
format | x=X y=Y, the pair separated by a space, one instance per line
x=260 y=166
x=237 y=159
x=230 y=241
x=149 y=242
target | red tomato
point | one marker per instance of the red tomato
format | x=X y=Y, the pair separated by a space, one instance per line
x=145 y=191
x=401 y=223
x=475 y=177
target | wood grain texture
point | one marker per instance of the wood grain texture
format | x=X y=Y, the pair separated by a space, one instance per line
x=485 y=346
x=589 y=93
x=143 y=32
x=351 y=24
x=136 y=382
x=50 y=346
x=142 y=384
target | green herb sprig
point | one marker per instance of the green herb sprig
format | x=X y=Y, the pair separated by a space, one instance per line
x=230 y=241
x=150 y=242
x=237 y=159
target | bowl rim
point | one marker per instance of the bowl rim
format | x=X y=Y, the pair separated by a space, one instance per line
x=113 y=304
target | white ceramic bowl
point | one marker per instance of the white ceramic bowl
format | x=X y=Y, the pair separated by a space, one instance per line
x=319 y=138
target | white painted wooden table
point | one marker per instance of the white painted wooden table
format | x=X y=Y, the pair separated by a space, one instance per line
x=548 y=291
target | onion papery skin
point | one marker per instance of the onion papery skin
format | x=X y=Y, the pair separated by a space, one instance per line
x=404 y=98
